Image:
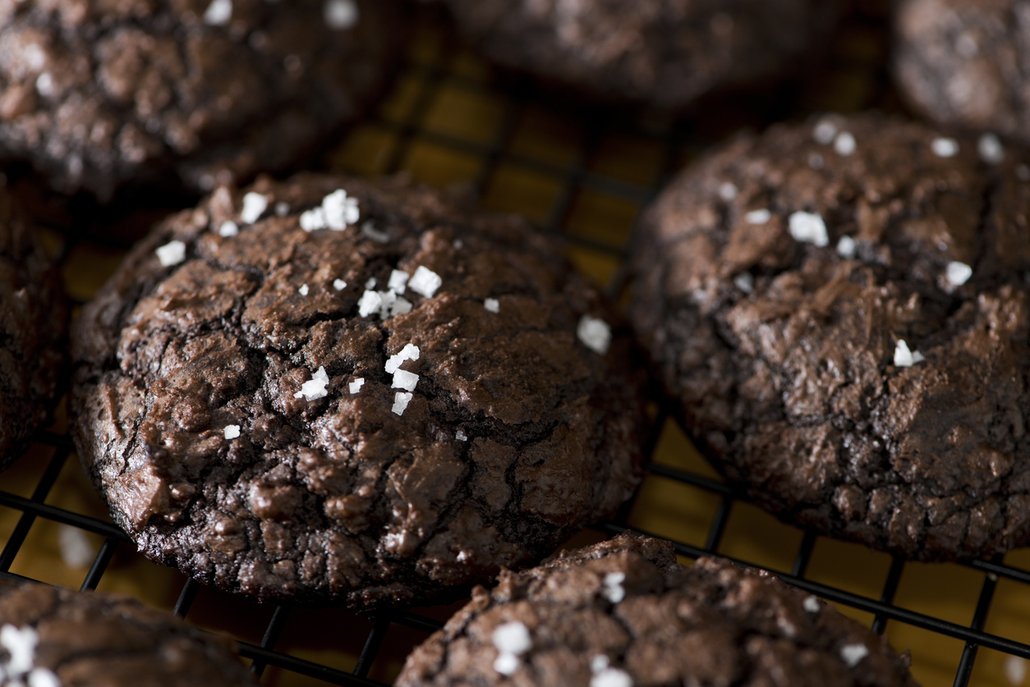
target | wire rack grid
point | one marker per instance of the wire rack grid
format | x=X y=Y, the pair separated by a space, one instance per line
x=586 y=175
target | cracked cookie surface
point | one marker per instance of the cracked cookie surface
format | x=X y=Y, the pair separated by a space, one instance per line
x=98 y=94
x=381 y=408
x=624 y=612
x=839 y=310
x=56 y=636
x=665 y=53
x=964 y=62
x=33 y=321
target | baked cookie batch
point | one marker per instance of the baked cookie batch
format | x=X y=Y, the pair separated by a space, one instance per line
x=334 y=389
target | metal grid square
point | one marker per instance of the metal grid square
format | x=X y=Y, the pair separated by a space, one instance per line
x=585 y=175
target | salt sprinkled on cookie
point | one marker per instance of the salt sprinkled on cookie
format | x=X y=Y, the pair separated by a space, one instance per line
x=758 y=216
x=21 y=648
x=172 y=253
x=853 y=654
x=369 y=303
x=990 y=149
x=611 y=677
x=231 y=432
x=340 y=210
x=825 y=131
x=218 y=13
x=339 y=284
x=303 y=290
x=944 y=147
x=727 y=191
x=314 y=388
x=492 y=305
x=398 y=281
x=844 y=144
x=409 y=352
x=904 y=356
x=461 y=436
x=400 y=402
x=595 y=334
x=402 y=379
x=341 y=14
x=811 y=604
x=425 y=282
x=598 y=663
x=254 y=205
x=958 y=273
x=613 y=589
x=355 y=386
x=808 y=227
x=511 y=641
x=846 y=247
x=745 y=282
x=228 y=229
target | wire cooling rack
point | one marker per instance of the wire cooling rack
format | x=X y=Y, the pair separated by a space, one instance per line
x=584 y=173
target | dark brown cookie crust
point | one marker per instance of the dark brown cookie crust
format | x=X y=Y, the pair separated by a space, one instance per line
x=784 y=356
x=654 y=622
x=33 y=322
x=964 y=63
x=93 y=638
x=663 y=53
x=100 y=95
x=515 y=435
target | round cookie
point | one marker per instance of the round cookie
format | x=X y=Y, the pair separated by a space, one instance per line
x=335 y=388
x=664 y=53
x=624 y=613
x=53 y=637
x=962 y=62
x=840 y=312
x=33 y=321
x=193 y=92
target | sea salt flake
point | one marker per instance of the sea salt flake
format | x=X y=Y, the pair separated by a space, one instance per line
x=254 y=205
x=228 y=229
x=21 y=648
x=409 y=352
x=339 y=284
x=400 y=306
x=944 y=147
x=369 y=303
x=727 y=191
x=402 y=379
x=904 y=356
x=613 y=589
x=218 y=13
x=598 y=663
x=512 y=638
x=42 y=677
x=595 y=334
x=303 y=290
x=844 y=144
x=398 y=281
x=355 y=385
x=825 y=131
x=846 y=247
x=340 y=210
x=744 y=281
x=45 y=84
x=371 y=283
x=492 y=305
x=313 y=220
x=231 y=432
x=1015 y=670
x=853 y=654
x=506 y=664
x=172 y=253
x=990 y=149
x=76 y=551
x=400 y=402
x=958 y=273
x=425 y=282
x=808 y=227
x=341 y=14
x=314 y=388
x=611 y=677
x=758 y=216
x=461 y=436
x=811 y=604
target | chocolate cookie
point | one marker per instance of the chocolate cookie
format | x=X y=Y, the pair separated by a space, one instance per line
x=840 y=311
x=332 y=388
x=664 y=53
x=624 y=613
x=963 y=62
x=99 y=95
x=52 y=637
x=33 y=321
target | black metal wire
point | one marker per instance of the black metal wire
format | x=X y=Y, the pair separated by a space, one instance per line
x=574 y=179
